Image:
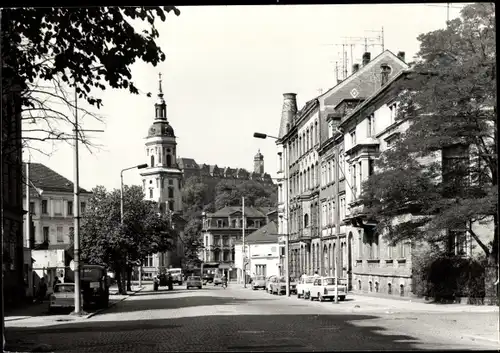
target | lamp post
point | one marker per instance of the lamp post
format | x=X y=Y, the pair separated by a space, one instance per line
x=140 y=166
x=76 y=209
x=287 y=265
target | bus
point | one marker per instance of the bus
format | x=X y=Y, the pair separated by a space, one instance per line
x=176 y=274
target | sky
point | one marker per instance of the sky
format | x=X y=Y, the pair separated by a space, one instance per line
x=226 y=70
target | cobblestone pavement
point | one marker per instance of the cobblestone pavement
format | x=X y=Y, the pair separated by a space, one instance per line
x=242 y=320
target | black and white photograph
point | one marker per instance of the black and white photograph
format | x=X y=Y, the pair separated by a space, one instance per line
x=249 y=178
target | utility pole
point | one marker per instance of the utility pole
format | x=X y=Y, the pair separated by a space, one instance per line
x=447 y=12
x=28 y=201
x=337 y=225
x=76 y=212
x=244 y=274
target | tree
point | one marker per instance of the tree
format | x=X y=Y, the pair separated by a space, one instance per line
x=443 y=169
x=256 y=194
x=47 y=50
x=105 y=240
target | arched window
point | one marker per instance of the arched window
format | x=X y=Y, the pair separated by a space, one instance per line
x=306 y=220
x=169 y=160
x=313 y=177
x=401 y=290
x=359 y=284
x=389 y=288
x=152 y=161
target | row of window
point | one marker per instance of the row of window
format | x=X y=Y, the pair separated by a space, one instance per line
x=328 y=212
x=216 y=255
x=221 y=240
x=59 y=234
x=58 y=207
x=235 y=223
x=303 y=143
x=160 y=182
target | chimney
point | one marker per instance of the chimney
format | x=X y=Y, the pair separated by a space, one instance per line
x=289 y=109
x=366 y=58
x=401 y=56
x=355 y=68
x=384 y=72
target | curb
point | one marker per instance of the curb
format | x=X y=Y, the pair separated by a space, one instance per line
x=479 y=338
x=112 y=304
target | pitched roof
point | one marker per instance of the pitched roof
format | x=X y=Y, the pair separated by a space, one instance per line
x=265 y=234
x=46 y=179
x=187 y=163
x=249 y=211
x=370 y=99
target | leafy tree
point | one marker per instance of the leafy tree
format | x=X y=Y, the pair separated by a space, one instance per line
x=443 y=169
x=46 y=50
x=193 y=242
x=256 y=194
x=105 y=240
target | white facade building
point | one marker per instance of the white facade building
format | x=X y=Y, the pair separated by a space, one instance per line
x=51 y=209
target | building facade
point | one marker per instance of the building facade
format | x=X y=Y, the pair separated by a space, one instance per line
x=307 y=140
x=223 y=228
x=52 y=215
x=161 y=182
x=262 y=252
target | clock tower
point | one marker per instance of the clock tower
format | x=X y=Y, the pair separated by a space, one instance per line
x=161 y=180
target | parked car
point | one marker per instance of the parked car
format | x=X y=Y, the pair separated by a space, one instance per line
x=259 y=282
x=217 y=280
x=208 y=278
x=193 y=281
x=303 y=286
x=279 y=286
x=270 y=280
x=324 y=288
x=63 y=297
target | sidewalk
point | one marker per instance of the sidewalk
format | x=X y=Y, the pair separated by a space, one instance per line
x=372 y=303
x=36 y=315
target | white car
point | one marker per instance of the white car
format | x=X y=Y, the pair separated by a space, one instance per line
x=63 y=297
x=324 y=288
x=303 y=286
x=193 y=281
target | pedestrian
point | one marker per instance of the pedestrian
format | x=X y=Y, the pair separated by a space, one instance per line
x=42 y=290
x=56 y=282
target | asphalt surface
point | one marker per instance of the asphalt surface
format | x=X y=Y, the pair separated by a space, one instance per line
x=242 y=320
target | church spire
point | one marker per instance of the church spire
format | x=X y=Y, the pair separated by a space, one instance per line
x=160 y=106
x=160 y=94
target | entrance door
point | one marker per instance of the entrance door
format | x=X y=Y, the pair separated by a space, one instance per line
x=349 y=261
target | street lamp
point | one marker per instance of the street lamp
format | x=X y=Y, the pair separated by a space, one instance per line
x=260 y=135
x=140 y=166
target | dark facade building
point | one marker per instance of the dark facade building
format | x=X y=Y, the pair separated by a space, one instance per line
x=12 y=201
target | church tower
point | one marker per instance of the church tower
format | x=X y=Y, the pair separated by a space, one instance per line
x=161 y=180
x=258 y=163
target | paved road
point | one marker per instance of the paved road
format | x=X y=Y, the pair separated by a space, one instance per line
x=237 y=319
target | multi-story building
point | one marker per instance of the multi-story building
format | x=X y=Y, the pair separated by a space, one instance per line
x=261 y=250
x=370 y=128
x=52 y=214
x=307 y=141
x=161 y=182
x=223 y=228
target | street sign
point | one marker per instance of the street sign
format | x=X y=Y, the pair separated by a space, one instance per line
x=72 y=265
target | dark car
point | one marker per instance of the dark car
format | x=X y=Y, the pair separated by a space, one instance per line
x=208 y=278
